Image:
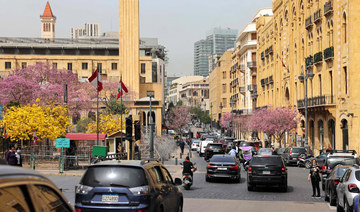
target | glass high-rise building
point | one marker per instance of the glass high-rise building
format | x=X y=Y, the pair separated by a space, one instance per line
x=217 y=41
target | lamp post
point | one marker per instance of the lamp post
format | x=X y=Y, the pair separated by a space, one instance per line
x=304 y=78
x=211 y=115
x=150 y=95
x=232 y=103
x=221 y=107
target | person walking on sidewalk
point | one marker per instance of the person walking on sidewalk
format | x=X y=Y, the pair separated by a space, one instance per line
x=18 y=157
x=10 y=156
x=182 y=146
x=314 y=176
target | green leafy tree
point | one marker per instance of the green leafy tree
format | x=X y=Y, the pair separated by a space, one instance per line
x=115 y=107
x=179 y=103
x=81 y=126
x=203 y=116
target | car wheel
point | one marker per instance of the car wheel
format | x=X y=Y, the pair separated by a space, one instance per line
x=284 y=187
x=207 y=179
x=331 y=199
x=347 y=207
x=338 y=207
x=307 y=164
x=323 y=186
x=326 y=196
x=237 y=180
x=180 y=206
x=250 y=187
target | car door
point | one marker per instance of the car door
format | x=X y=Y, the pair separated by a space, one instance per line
x=342 y=186
x=15 y=198
x=162 y=188
x=173 y=190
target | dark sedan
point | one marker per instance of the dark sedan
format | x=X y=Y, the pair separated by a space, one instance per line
x=213 y=149
x=332 y=181
x=223 y=166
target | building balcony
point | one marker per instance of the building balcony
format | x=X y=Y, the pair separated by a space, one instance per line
x=252 y=87
x=266 y=52
x=270 y=79
x=242 y=68
x=329 y=53
x=270 y=49
x=317 y=16
x=243 y=112
x=251 y=64
x=319 y=101
x=308 y=23
x=253 y=72
x=318 y=58
x=328 y=9
x=262 y=82
x=309 y=61
x=242 y=89
x=262 y=55
x=254 y=95
x=266 y=81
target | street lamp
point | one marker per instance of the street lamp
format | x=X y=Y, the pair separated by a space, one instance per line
x=221 y=107
x=151 y=95
x=211 y=115
x=302 y=78
x=232 y=103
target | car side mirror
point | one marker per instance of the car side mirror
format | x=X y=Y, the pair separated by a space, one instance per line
x=178 y=181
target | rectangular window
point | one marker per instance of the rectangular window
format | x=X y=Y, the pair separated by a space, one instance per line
x=143 y=68
x=345 y=80
x=23 y=65
x=154 y=72
x=224 y=88
x=7 y=65
x=253 y=36
x=84 y=66
x=99 y=67
x=69 y=66
x=54 y=65
x=114 y=66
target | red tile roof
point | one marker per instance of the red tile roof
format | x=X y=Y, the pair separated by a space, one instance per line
x=47 y=12
x=85 y=136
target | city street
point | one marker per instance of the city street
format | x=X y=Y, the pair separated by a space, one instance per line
x=205 y=196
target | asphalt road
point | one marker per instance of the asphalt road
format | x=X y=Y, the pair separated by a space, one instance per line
x=299 y=190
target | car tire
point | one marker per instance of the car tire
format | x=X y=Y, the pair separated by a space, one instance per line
x=237 y=180
x=326 y=196
x=307 y=164
x=180 y=206
x=332 y=201
x=338 y=207
x=250 y=187
x=284 y=187
x=207 y=179
x=200 y=154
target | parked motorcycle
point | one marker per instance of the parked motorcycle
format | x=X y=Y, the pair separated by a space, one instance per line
x=301 y=162
x=187 y=178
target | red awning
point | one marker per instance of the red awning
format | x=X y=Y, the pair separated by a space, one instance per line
x=85 y=136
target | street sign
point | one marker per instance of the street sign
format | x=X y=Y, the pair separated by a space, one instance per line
x=63 y=143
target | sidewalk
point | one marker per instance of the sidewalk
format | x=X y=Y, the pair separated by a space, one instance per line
x=74 y=173
x=176 y=170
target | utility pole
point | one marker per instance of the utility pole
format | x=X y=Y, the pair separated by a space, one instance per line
x=151 y=132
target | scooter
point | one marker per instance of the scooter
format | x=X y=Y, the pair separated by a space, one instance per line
x=246 y=155
x=301 y=160
x=187 y=178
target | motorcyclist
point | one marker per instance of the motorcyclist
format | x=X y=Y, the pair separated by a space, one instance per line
x=188 y=166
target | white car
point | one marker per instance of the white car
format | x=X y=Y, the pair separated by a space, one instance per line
x=203 y=145
x=195 y=144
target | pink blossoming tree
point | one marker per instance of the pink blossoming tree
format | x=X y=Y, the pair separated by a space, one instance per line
x=225 y=121
x=242 y=124
x=178 y=118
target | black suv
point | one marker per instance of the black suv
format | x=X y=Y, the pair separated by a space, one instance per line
x=128 y=186
x=267 y=170
x=212 y=149
x=291 y=154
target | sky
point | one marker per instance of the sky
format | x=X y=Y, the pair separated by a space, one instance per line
x=178 y=24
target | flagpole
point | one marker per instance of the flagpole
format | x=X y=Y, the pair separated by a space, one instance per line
x=97 y=107
x=121 y=121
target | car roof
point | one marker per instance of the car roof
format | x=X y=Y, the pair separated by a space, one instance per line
x=266 y=156
x=6 y=170
x=341 y=154
x=138 y=163
x=223 y=155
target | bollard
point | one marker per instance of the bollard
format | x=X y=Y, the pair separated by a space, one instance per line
x=180 y=155
x=176 y=161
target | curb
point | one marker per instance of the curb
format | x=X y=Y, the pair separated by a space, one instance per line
x=61 y=174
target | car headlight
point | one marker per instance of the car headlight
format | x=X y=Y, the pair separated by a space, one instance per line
x=140 y=190
x=82 y=189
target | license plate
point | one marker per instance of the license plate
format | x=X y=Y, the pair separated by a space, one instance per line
x=222 y=168
x=216 y=150
x=266 y=172
x=110 y=198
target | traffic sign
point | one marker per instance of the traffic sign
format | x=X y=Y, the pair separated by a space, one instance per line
x=63 y=143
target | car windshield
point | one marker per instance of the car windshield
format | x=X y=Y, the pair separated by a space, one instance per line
x=196 y=142
x=264 y=151
x=215 y=146
x=357 y=175
x=222 y=158
x=344 y=160
x=106 y=176
x=281 y=150
x=266 y=161
x=299 y=150
x=340 y=171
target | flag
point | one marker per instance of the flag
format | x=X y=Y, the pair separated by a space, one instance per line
x=122 y=88
x=95 y=81
x=35 y=138
x=5 y=132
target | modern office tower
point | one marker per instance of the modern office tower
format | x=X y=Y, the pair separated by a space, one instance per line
x=202 y=50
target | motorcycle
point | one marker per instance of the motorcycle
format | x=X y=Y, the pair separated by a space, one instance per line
x=187 y=178
x=246 y=154
x=301 y=162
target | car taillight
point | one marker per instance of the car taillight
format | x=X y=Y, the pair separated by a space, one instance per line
x=140 y=190
x=77 y=209
x=143 y=210
x=210 y=166
x=207 y=149
x=353 y=188
x=336 y=182
x=290 y=151
x=250 y=170
x=187 y=176
x=323 y=167
x=283 y=170
x=234 y=167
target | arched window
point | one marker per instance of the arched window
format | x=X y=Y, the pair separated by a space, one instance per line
x=287 y=96
x=344 y=28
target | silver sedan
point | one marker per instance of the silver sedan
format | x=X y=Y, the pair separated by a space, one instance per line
x=347 y=189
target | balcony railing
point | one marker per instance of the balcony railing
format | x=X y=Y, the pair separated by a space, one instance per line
x=251 y=64
x=266 y=52
x=251 y=87
x=271 y=79
x=318 y=58
x=328 y=9
x=316 y=102
x=262 y=82
x=242 y=67
x=308 y=23
x=266 y=81
x=309 y=61
x=270 y=49
x=262 y=56
x=329 y=53
x=242 y=89
x=317 y=16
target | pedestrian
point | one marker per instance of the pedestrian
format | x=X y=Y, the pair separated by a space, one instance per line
x=314 y=176
x=136 y=152
x=273 y=151
x=10 y=156
x=237 y=148
x=18 y=157
x=182 y=146
x=233 y=151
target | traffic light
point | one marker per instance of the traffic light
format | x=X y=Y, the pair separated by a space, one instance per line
x=128 y=122
x=137 y=130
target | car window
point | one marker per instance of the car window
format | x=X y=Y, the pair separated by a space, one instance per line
x=340 y=172
x=299 y=150
x=220 y=158
x=357 y=175
x=345 y=160
x=167 y=176
x=13 y=199
x=347 y=176
x=106 y=176
x=50 y=200
x=266 y=160
x=157 y=175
